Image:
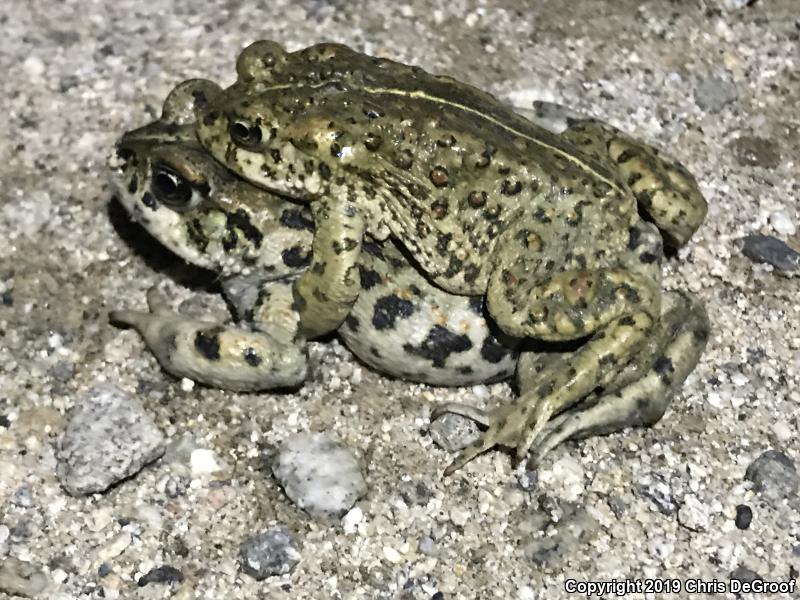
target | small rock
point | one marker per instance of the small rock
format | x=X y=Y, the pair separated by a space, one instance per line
x=713 y=93
x=33 y=66
x=268 y=553
x=352 y=519
x=770 y=250
x=162 y=574
x=744 y=516
x=566 y=476
x=109 y=437
x=744 y=574
x=319 y=475
x=693 y=514
x=736 y=4
x=752 y=151
x=19 y=578
x=22 y=498
x=773 y=475
x=204 y=462
x=780 y=221
x=427 y=545
x=574 y=529
x=453 y=432
x=655 y=488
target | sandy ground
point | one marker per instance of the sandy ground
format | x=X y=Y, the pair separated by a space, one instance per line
x=716 y=85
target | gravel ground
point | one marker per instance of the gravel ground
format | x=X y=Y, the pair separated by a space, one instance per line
x=716 y=83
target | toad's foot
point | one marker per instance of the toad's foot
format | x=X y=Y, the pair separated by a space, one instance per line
x=637 y=395
x=219 y=356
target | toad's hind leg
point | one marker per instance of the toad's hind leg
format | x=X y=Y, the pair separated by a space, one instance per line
x=617 y=308
x=665 y=191
x=641 y=393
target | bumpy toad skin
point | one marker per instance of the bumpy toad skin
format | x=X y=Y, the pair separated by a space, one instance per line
x=258 y=242
x=547 y=226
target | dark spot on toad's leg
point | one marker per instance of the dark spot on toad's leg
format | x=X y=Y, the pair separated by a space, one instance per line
x=251 y=357
x=388 y=309
x=664 y=368
x=207 y=343
x=369 y=278
x=351 y=323
x=439 y=344
x=492 y=351
x=296 y=257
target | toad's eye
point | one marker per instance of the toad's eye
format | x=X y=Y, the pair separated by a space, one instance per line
x=245 y=134
x=171 y=188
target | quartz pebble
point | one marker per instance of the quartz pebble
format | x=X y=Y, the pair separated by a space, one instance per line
x=109 y=437
x=319 y=475
x=782 y=223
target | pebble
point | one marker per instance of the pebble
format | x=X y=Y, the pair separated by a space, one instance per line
x=773 y=475
x=33 y=66
x=713 y=93
x=693 y=514
x=752 y=151
x=115 y=546
x=453 y=432
x=744 y=574
x=573 y=530
x=268 y=553
x=204 y=462
x=352 y=519
x=18 y=578
x=565 y=476
x=780 y=221
x=744 y=516
x=771 y=250
x=319 y=475
x=109 y=437
x=23 y=497
x=655 y=488
x=162 y=574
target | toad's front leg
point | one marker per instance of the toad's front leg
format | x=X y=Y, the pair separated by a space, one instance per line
x=231 y=358
x=325 y=293
x=619 y=309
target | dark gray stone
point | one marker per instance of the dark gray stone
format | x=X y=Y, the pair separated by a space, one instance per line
x=773 y=475
x=771 y=250
x=269 y=553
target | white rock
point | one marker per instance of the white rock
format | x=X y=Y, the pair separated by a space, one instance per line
x=565 y=475
x=204 y=462
x=319 y=475
x=782 y=223
x=693 y=514
x=351 y=520
x=392 y=555
x=526 y=593
x=114 y=547
x=33 y=66
x=782 y=431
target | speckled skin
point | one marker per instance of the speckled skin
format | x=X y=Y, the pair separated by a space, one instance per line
x=547 y=226
x=259 y=242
